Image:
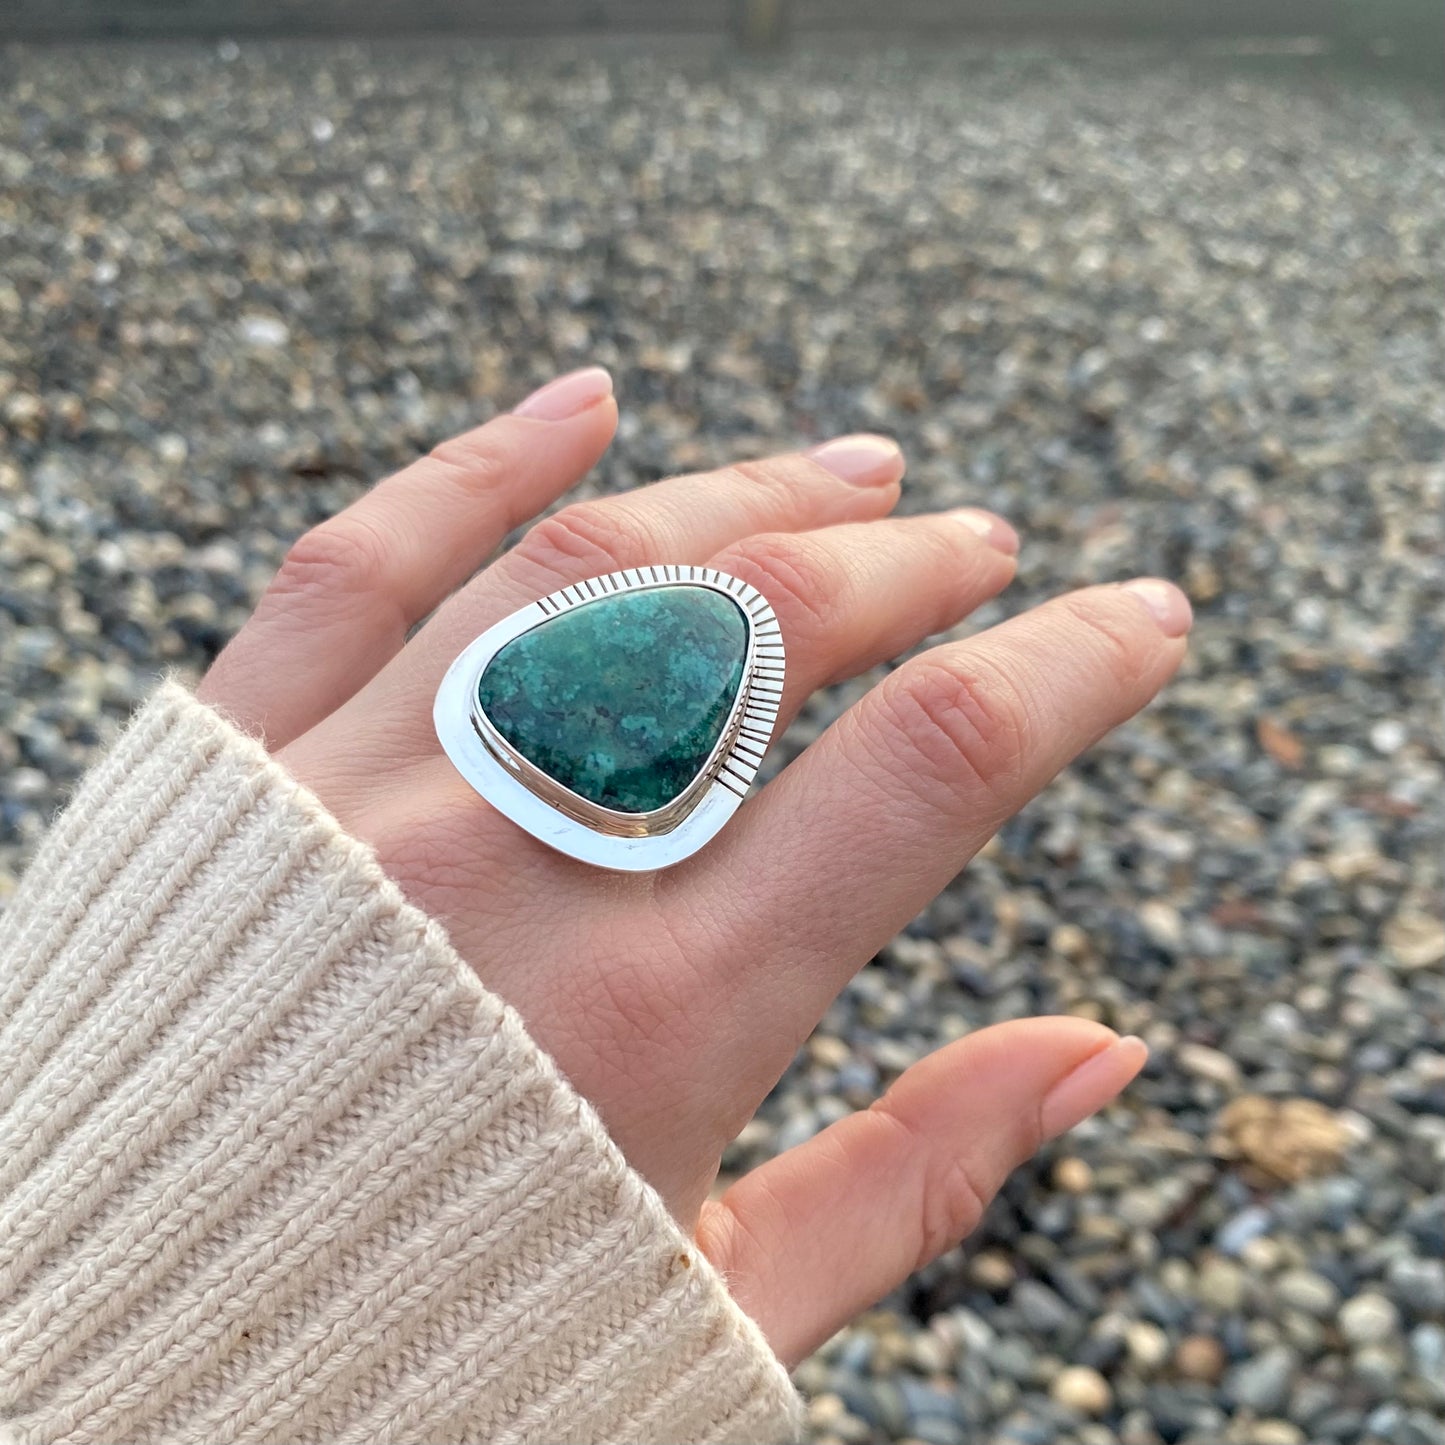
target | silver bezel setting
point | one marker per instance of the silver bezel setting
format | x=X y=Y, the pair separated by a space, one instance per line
x=629 y=842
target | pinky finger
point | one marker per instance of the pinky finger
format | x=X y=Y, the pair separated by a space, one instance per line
x=825 y=1230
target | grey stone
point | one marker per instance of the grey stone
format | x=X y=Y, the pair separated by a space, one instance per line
x=1427 y=1344
x=1248 y=1224
x=1377 y=1368
x=1263 y=1382
x=1041 y=1309
x=1220 y=1285
x=1419 y=1284
x=1310 y=1293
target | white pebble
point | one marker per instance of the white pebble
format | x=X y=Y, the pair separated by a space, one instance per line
x=1369 y=1319
x=266 y=333
x=1389 y=736
x=1206 y=1063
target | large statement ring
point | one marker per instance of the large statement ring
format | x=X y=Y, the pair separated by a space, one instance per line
x=622 y=719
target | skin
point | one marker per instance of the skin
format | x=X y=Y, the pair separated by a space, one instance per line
x=674 y=1001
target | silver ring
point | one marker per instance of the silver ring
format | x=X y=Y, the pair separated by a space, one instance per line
x=622 y=719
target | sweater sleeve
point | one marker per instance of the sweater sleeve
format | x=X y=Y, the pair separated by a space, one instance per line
x=274 y=1166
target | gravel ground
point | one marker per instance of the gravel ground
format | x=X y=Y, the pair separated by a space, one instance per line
x=1165 y=315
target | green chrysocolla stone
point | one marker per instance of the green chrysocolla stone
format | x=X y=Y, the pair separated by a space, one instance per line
x=622 y=700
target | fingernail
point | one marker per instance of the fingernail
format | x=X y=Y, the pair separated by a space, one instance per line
x=994 y=530
x=567 y=395
x=863 y=460
x=1096 y=1082
x=1168 y=606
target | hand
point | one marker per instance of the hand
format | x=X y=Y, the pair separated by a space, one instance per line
x=673 y=1001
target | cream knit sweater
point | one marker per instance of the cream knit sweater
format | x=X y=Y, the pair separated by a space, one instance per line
x=274 y=1166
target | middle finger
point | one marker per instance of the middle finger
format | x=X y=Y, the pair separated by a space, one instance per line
x=681 y=520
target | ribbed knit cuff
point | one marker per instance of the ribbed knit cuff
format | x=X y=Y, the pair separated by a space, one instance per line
x=275 y=1167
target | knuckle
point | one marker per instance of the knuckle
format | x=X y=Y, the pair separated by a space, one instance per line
x=739 y=1233
x=767 y=473
x=965 y=725
x=796 y=580
x=585 y=539
x=951 y=1206
x=948 y=1198
x=729 y=1239
x=1110 y=640
x=471 y=460
x=342 y=557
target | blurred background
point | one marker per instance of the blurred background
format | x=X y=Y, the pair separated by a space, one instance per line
x=1161 y=283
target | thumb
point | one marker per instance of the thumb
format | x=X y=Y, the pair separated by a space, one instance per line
x=825 y=1230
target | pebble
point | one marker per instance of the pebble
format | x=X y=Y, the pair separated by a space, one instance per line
x=1209 y=1064
x=1200 y=1357
x=1276 y=1432
x=1378 y=1369
x=1042 y=1309
x=1243 y=1229
x=1418 y=1284
x=1427 y=1350
x=1220 y=1285
x=265 y=333
x=993 y=1271
x=1311 y=1294
x=1263 y=1382
x=1417 y=940
x=1286 y=1139
x=928 y=1353
x=1148 y=1346
x=1369 y=1319
x=1262 y=1256
x=1082 y=1389
x=1073 y=1175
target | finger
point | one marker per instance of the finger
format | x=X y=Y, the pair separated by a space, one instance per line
x=350 y=588
x=847 y=844
x=852 y=596
x=682 y=520
x=828 y=1228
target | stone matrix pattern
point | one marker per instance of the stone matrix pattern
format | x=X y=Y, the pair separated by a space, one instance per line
x=622 y=700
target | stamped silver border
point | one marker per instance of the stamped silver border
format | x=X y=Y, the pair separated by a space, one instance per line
x=630 y=842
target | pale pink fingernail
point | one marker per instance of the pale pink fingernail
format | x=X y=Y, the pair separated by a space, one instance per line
x=1088 y=1088
x=864 y=460
x=994 y=530
x=567 y=395
x=1168 y=606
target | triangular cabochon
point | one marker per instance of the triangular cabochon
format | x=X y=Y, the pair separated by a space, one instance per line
x=622 y=700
